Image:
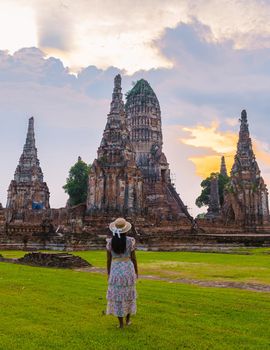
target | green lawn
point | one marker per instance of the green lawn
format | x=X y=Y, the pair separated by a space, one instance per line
x=252 y=268
x=64 y=309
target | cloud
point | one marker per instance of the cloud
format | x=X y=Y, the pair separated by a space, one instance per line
x=126 y=34
x=209 y=84
x=205 y=164
x=245 y=23
x=262 y=152
x=99 y=33
x=212 y=143
x=68 y=120
x=210 y=137
x=212 y=82
x=17 y=25
x=55 y=27
x=231 y=121
x=183 y=170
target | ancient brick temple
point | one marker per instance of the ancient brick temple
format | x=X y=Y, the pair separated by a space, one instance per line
x=131 y=178
x=28 y=189
x=115 y=181
x=144 y=123
x=246 y=196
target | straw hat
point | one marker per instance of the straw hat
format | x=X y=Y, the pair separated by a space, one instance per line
x=120 y=225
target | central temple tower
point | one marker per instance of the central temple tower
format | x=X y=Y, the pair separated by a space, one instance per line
x=144 y=124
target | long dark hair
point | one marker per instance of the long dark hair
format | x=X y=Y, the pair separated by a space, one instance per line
x=119 y=244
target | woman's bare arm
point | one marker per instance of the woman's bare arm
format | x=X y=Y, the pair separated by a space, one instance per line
x=134 y=260
x=109 y=261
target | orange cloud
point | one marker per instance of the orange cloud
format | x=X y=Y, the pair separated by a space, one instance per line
x=212 y=140
x=218 y=143
x=210 y=137
x=260 y=152
x=205 y=165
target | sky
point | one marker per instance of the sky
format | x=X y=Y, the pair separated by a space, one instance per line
x=206 y=61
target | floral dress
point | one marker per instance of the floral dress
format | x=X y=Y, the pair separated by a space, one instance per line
x=121 y=293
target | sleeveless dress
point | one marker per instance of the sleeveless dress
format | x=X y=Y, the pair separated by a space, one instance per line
x=121 y=293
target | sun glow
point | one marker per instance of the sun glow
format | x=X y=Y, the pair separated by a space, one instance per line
x=213 y=144
x=205 y=165
x=211 y=137
x=104 y=40
x=17 y=27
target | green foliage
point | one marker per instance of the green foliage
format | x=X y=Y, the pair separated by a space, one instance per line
x=229 y=188
x=204 y=197
x=222 y=183
x=76 y=185
x=57 y=309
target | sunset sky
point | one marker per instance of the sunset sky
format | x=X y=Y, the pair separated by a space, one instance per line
x=206 y=61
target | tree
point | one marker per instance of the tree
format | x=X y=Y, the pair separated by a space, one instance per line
x=76 y=185
x=203 y=199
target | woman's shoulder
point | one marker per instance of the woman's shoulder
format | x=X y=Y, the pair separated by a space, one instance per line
x=131 y=239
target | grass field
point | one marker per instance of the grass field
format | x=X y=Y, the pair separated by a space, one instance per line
x=64 y=309
x=254 y=267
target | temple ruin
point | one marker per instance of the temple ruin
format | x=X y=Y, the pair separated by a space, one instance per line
x=246 y=196
x=131 y=177
x=143 y=117
x=28 y=189
x=131 y=174
x=115 y=181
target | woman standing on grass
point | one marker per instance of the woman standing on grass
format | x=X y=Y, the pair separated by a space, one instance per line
x=122 y=272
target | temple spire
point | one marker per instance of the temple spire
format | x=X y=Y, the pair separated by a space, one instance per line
x=245 y=157
x=29 y=168
x=117 y=104
x=223 y=168
x=30 y=143
x=116 y=135
x=115 y=182
x=244 y=129
x=246 y=196
x=28 y=189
